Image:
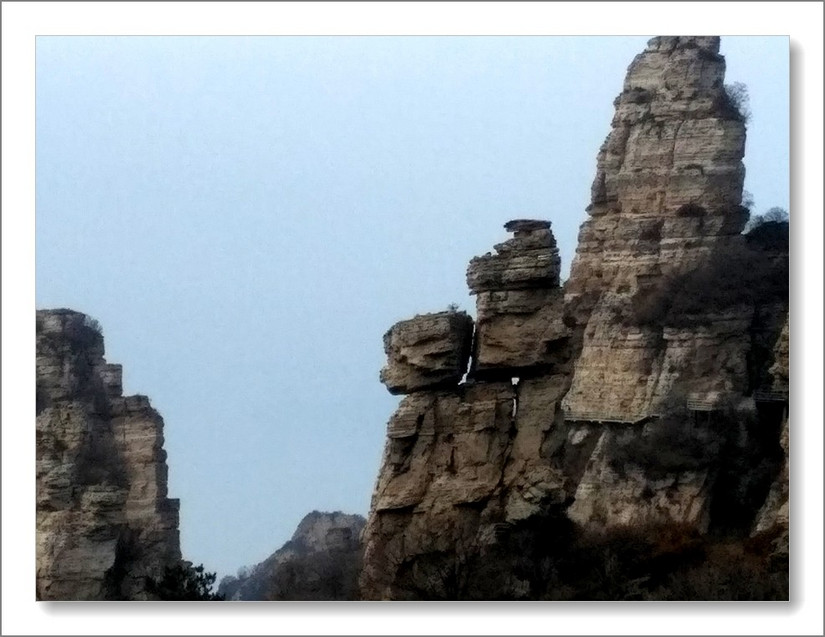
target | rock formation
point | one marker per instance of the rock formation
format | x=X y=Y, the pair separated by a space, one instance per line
x=427 y=351
x=773 y=518
x=519 y=305
x=104 y=521
x=665 y=200
x=631 y=399
x=320 y=562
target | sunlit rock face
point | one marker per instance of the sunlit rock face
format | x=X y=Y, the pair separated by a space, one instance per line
x=633 y=398
x=104 y=521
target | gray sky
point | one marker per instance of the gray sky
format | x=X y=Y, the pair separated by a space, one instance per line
x=247 y=216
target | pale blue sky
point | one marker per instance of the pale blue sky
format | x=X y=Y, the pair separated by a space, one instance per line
x=247 y=216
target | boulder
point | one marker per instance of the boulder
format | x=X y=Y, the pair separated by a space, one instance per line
x=428 y=351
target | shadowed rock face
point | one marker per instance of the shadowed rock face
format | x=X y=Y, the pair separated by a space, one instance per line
x=320 y=562
x=665 y=200
x=104 y=521
x=630 y=399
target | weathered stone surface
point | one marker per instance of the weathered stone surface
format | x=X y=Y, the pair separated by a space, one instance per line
x=518 y=331
x=621 y=487
x=320 y=562
x=636 y=399
x=626 y=373
x=529 y=260
x=520 y=325
x=428 y=351
x=462 y=468
x=104 y=521
x=665 y=201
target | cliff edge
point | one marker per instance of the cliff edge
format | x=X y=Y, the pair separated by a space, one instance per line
x=104 y=521
x=640 y=409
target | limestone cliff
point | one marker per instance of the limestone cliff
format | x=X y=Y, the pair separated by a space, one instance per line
x=320 y=562
x=104 y=521
x=630 y=400
x=665 y=201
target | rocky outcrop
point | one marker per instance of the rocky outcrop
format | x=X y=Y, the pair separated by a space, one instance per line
x=665 y=201
x=320 y=562
x=427 y=351
x=520 y=327
x=628 y=401
x=464 y=464
x=104 y=521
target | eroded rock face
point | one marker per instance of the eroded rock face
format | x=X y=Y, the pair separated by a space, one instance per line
x=520 y=327
x=104 y=521
x=630 y=400
x=529 y=260
x=460 y=468
x=320 y=562
x=666 y=199
x=773 y=519
x=427 y=351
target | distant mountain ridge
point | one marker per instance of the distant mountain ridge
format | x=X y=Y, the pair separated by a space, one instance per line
x=320 y=562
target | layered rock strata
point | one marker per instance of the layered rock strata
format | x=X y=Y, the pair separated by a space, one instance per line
x=627 y=400
x=774 y=516
x=665 y=200
x=428 y=351
x=463 y=464
x=104 y=521
x=520 y=324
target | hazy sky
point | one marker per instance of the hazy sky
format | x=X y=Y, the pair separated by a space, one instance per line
x=246 y=217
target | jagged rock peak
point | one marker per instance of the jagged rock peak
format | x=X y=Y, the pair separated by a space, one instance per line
x=320 y=562
x=321 y=531
x=677 y=138
x=530 y=259
x=427 y=351
x=665 y=202
x=104 y=521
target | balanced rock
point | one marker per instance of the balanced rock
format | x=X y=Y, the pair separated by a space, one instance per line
x=520 y=327
x=428 y=351
x=624 y=404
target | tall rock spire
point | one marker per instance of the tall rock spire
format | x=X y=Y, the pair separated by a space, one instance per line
x=669 y=175
x=595 y=407
x=666 y=198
